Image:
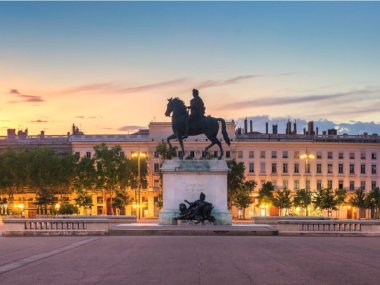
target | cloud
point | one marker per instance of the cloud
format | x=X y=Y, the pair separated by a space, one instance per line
x=287 y=100
x=352 y=127
x=130 y=128
x=117 y=88
x=38 y=121
x=24 y=97
x=229 y=81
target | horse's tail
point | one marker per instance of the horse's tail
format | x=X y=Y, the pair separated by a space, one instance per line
x=224 y=131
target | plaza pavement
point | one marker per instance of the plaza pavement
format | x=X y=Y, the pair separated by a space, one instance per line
x=189 y=260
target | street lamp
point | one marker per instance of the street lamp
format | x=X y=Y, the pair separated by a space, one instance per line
x=138 y=155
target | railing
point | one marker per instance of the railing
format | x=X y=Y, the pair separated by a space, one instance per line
x=54 y=225
x=332 y=226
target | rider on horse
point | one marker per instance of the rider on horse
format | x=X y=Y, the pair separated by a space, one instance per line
x=197 y=111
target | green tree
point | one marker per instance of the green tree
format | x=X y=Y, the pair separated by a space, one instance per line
x=359 y=201
x=235 y=180
x=340 y=198
x=373 y=202
x=266 y=193
x=112 y=172
x=303 y=199
x=164 y=151
x=84 y=181
x=324 y=199
x=121 y=200
x=68 y=209
x=242 y=196
x=282 y=200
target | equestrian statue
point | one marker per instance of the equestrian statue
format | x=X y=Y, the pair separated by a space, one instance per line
x=195 y=123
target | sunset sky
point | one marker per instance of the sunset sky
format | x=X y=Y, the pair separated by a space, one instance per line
x=109 y=67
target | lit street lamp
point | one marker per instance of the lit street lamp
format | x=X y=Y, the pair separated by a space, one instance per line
x=138 y=155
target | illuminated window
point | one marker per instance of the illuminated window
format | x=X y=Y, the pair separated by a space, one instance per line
x=296 y=168
x=284 y=168
x=251 y=154
x=285 y=154
x=262 y=154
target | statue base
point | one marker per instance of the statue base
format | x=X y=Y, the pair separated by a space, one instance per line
x=185 y=223
x=186 y=179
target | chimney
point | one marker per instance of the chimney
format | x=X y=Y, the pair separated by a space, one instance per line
x=274 y=129
x=42 y=134
x=310 y=128
x=250 y=126
x=11 y=133
x=316 y=131
x=304 y=131
x=295 y=127
x=245 y=125
x=266 y=127
x=288 y=128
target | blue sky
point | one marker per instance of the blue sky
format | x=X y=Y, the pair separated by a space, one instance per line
x=103 y=63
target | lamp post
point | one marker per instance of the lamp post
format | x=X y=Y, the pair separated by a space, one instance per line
x=138 y=155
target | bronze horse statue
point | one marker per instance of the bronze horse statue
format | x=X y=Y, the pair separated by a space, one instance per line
x=208 y=126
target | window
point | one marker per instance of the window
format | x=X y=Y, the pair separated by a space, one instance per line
x=251 y=154
x=340 y=168
x=362 y=168
x=156 y=154
x=352 y=168
x=262 y=167
x=362 y=185
x=352 y=185
x=319 y=168
x=373 y=155
x=340 y=155
x=307 y=184
x=274 y=154
x=340 y=184
x=330 y=155
x=329 y=168
x=99 y=200
x=274 y=167
x=216 y=153
x=240 y=154
x=307 y=170
x=284 y=168
x=156 y=183
x=156 y=167
x=251 y=167
x=262 y=154
x=192 y=154
x=373 y=169
x=296 y=184
x=319 y=184
x=319 y=155
x=352 y=155
x=122 y=154
x=88 y=154
x=373 y=185
x=285 y=184
x=362 y=155
x=329 y=184
x=179 y=153
x=228 y=154
x=296 y=168
x=285 y=154
x=296 y=154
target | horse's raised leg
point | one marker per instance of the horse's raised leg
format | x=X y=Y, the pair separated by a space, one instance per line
x=208 y=147
x=221 y=148
x=173 y=136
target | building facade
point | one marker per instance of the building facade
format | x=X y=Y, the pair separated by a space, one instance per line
x=293 y=161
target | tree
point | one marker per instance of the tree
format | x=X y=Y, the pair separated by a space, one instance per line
x=282 y=200
x=242 y=196
x=340 y=198
x=373 y=202
x=266 y=193
x=84 y=181
x=303 y=199
x=68 y=209
x=112 y=172
x=165 y=151
x=359 y=201
x=235 y=179
x=121 y=200
x=325 y=200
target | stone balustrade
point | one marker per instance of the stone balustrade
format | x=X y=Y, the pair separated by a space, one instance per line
x=273 y=220
x=329 y=227
x=87 y=225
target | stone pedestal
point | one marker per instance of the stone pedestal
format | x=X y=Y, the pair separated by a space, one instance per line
x=186 y=179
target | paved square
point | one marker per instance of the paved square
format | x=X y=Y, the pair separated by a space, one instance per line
x=189 y=260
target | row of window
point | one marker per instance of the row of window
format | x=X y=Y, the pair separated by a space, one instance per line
x=296 y=168
x=296 y=154
x=352 y=186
